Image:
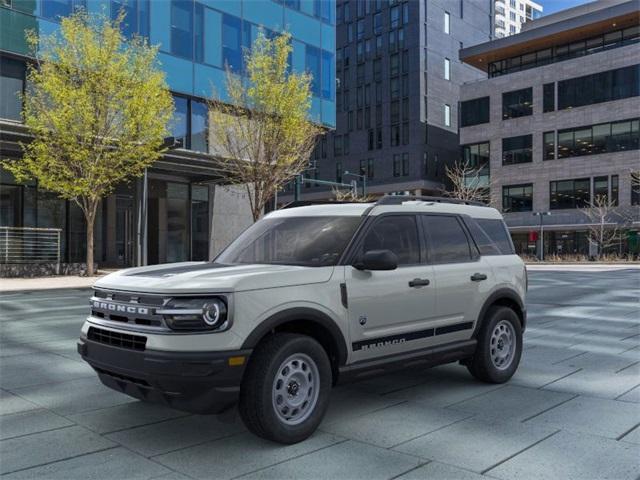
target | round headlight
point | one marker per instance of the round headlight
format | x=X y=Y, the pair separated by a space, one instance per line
x=211 y=313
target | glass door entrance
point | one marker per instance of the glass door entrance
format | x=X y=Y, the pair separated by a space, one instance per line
x=125 y=231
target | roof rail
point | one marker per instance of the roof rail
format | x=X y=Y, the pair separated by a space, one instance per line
x=398 y=199
x=307 y=203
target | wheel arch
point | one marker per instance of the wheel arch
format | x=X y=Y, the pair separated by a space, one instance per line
x=503 y=297
x=308 y=321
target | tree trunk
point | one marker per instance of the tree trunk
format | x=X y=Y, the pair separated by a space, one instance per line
x=90 y=223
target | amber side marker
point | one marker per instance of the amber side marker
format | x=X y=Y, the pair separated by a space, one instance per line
x=236 y=361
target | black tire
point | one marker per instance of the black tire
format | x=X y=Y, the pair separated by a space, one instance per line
x=257 y=407
x=482 y=366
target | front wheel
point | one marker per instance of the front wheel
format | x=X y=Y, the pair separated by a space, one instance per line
x=285 y=390
x=499 y=346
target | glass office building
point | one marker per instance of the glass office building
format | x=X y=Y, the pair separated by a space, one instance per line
x=167 y=215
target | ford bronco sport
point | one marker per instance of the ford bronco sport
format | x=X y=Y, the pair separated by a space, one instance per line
x=308 y=296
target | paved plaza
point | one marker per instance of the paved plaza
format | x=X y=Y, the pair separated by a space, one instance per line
x=572 y=411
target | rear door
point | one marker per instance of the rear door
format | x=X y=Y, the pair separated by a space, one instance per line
x=390 y=311
x=462 y=276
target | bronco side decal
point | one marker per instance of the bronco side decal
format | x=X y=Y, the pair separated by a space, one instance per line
x=405 y=337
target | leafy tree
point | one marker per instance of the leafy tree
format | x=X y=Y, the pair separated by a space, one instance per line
x=261 y=132
x=98 y=108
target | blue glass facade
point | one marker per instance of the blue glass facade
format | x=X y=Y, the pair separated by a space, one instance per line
x=198 y=38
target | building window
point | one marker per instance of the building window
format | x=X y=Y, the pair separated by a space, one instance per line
x=377 y=23
x=53 y=10
x=312 y=64
x=394 y=65
x=517 y=103
x=395 y=135
x=558 y=53
x=198 y=128
x=180 y=122
x=599 y=87
x=447 y=69
x=345 y=144
x=12 y=79
x=394 y=17
x=136 y=20
x=337 y=145
x=516 y=150
x=549 y=97
x=182 y=28
x=635 y=188
x=339 y=172
x=405 y=164
x=371 y=140
x=447 y=115
x=394 y=112
x=570 y=193
x=328 y=75
x=394 y=86
x=231 y=42
x=602 y=138
x=601 y=187
x=517 y=198
x=476 y=156
x=447 y=23
x=379 y=138
x=474 y=112
x=549 y=145
x=396 y=166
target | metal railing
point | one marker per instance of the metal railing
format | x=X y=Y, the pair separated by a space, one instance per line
x=30 y=245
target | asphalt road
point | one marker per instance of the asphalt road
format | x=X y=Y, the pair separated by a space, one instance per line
x=571 y=411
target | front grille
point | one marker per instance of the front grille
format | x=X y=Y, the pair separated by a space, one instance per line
x=131 y=308
x=117 y=339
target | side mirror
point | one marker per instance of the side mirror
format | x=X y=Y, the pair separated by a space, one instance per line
x=377 y=260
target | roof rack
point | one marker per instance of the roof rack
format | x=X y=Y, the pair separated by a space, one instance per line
x=307 y=203
x=398 y=199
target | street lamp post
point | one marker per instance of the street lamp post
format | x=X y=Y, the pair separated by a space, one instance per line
x=541 y=215
x=361 y=177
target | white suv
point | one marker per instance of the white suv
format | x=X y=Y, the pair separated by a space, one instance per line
x=308 y=296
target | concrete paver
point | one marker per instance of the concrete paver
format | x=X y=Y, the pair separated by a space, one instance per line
x=396 y=424
x=475 y=444
x=350 y=459
x=579 y=377
x=607 y=418
x=572 y=456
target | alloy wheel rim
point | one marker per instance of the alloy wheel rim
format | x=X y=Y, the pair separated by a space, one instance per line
x=295 y=389
x=503 y=345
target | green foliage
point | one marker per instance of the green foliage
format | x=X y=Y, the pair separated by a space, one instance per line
x=98 y=107
x=263 y=133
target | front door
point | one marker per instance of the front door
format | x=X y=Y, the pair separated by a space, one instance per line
x=387 y=309
x=124 y=231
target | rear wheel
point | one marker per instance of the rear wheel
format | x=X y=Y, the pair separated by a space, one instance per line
x=499 y=346
x=285 y=390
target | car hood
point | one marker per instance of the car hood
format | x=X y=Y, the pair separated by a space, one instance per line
x=207 y=277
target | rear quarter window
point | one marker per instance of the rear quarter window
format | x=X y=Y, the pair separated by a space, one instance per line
x=497 y=233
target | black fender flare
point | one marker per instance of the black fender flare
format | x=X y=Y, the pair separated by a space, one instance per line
x=502 y=294
x=297 y=314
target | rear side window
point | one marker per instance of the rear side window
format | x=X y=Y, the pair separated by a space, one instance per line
x=482 y=240
x=497 y=231
x=398 y=233
x=448 y=242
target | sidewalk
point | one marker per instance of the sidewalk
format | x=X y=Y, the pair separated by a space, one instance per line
x=583 y=267
x=48 y=283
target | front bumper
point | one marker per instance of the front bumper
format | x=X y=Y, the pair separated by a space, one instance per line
x=197 y=382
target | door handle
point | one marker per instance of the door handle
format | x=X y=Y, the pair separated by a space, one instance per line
x=478 y=277
x=418 y=282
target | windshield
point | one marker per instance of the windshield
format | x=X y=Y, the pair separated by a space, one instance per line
x=305 y=241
